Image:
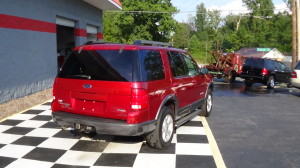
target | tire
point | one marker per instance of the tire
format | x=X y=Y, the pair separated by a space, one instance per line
x=289 y=84
x=230 y=78
x=248 y=83
x=162 y=136
x=226 y=79
x=271 y=82
x=207 y=105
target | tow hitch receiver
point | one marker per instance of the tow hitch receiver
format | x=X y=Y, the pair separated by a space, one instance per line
x=84 y=128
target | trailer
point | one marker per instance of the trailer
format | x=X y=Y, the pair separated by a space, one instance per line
x=228 y=66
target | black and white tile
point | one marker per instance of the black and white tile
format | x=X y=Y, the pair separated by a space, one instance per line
x=31 y=139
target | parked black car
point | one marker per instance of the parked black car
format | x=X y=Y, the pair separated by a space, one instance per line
x=265 y=71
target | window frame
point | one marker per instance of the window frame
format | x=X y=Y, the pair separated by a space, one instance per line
x=171 y=66
x=195 y=66
x=141 y=65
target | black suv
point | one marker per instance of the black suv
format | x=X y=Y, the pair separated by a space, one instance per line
x=265 y=71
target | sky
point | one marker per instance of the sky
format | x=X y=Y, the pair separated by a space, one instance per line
x=188 y=7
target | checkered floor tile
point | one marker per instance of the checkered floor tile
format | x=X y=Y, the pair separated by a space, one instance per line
x=31 y=139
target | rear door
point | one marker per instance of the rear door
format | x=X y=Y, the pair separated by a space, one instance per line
x=96 y=83
x=253 y=67
x=181 y=82
x=187 y=82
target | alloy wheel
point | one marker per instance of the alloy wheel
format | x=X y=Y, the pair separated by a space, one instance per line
x=167 y=128
x=209 y=103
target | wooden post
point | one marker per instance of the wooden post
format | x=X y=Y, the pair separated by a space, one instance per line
x=294 y=33
x=298 y=29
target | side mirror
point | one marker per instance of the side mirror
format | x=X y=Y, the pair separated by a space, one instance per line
x=204 y=70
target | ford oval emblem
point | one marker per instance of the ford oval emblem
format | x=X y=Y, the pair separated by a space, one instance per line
x=87 y=86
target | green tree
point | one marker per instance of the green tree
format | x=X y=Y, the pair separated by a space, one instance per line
x=201 y=18
x=260 y=28
x=260 y=7
x=151 y=21
x=282 y=32
x=236 y=33
x=181 y=36
x=199 y=49
x=213 y=26
x=260 y=21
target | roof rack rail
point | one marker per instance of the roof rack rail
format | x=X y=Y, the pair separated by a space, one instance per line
x=151 y=43
x=94 y=42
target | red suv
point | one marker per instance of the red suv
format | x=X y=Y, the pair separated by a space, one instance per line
x=131 y=90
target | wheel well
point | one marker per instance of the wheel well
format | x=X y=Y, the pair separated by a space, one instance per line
x=273 y=75
x=171 y=104
x=211 y=87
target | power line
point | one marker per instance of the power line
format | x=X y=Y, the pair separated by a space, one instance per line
x=243 y=13
x=178 y=12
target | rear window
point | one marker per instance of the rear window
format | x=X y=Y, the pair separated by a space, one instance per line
x=255 y=63
x=114 y=65
x=151 y=65
x=108 y=65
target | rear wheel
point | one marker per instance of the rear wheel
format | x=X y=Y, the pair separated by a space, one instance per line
x=271 y=82
x=230 y=78
x=207 y=106
x=162 y=136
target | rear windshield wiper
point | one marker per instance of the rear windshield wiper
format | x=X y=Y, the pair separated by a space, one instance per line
x=81 y=76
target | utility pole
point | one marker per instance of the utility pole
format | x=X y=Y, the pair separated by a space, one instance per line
x=294 y=33
x=298 y=28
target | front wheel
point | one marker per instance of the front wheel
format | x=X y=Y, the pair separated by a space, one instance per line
x=162 y=136
x=207 y=106
x=271 y=82
x=289 y=84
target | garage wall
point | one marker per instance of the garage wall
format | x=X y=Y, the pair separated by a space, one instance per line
x=28 y=54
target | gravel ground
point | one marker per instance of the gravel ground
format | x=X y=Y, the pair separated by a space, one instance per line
x=18 y=105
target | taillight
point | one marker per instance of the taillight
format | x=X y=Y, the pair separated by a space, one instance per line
x=264 y=71
x=294 y=74
x=139 y=99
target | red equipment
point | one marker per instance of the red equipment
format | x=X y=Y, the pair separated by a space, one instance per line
x=228 y=66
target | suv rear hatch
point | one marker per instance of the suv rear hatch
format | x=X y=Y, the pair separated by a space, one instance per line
x=253 y=67
x=96 y=82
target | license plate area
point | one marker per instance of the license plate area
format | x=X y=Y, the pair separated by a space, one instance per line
x=90 y=107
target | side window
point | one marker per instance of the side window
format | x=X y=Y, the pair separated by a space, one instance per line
x=271 y=65
x=282 y=67
x=177 y=65
x=277 y=65
x=192 y=67
x=151 y=65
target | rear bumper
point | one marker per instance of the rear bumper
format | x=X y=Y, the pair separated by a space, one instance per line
x=258 y=79
x=103 y=125
x=295 y=82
